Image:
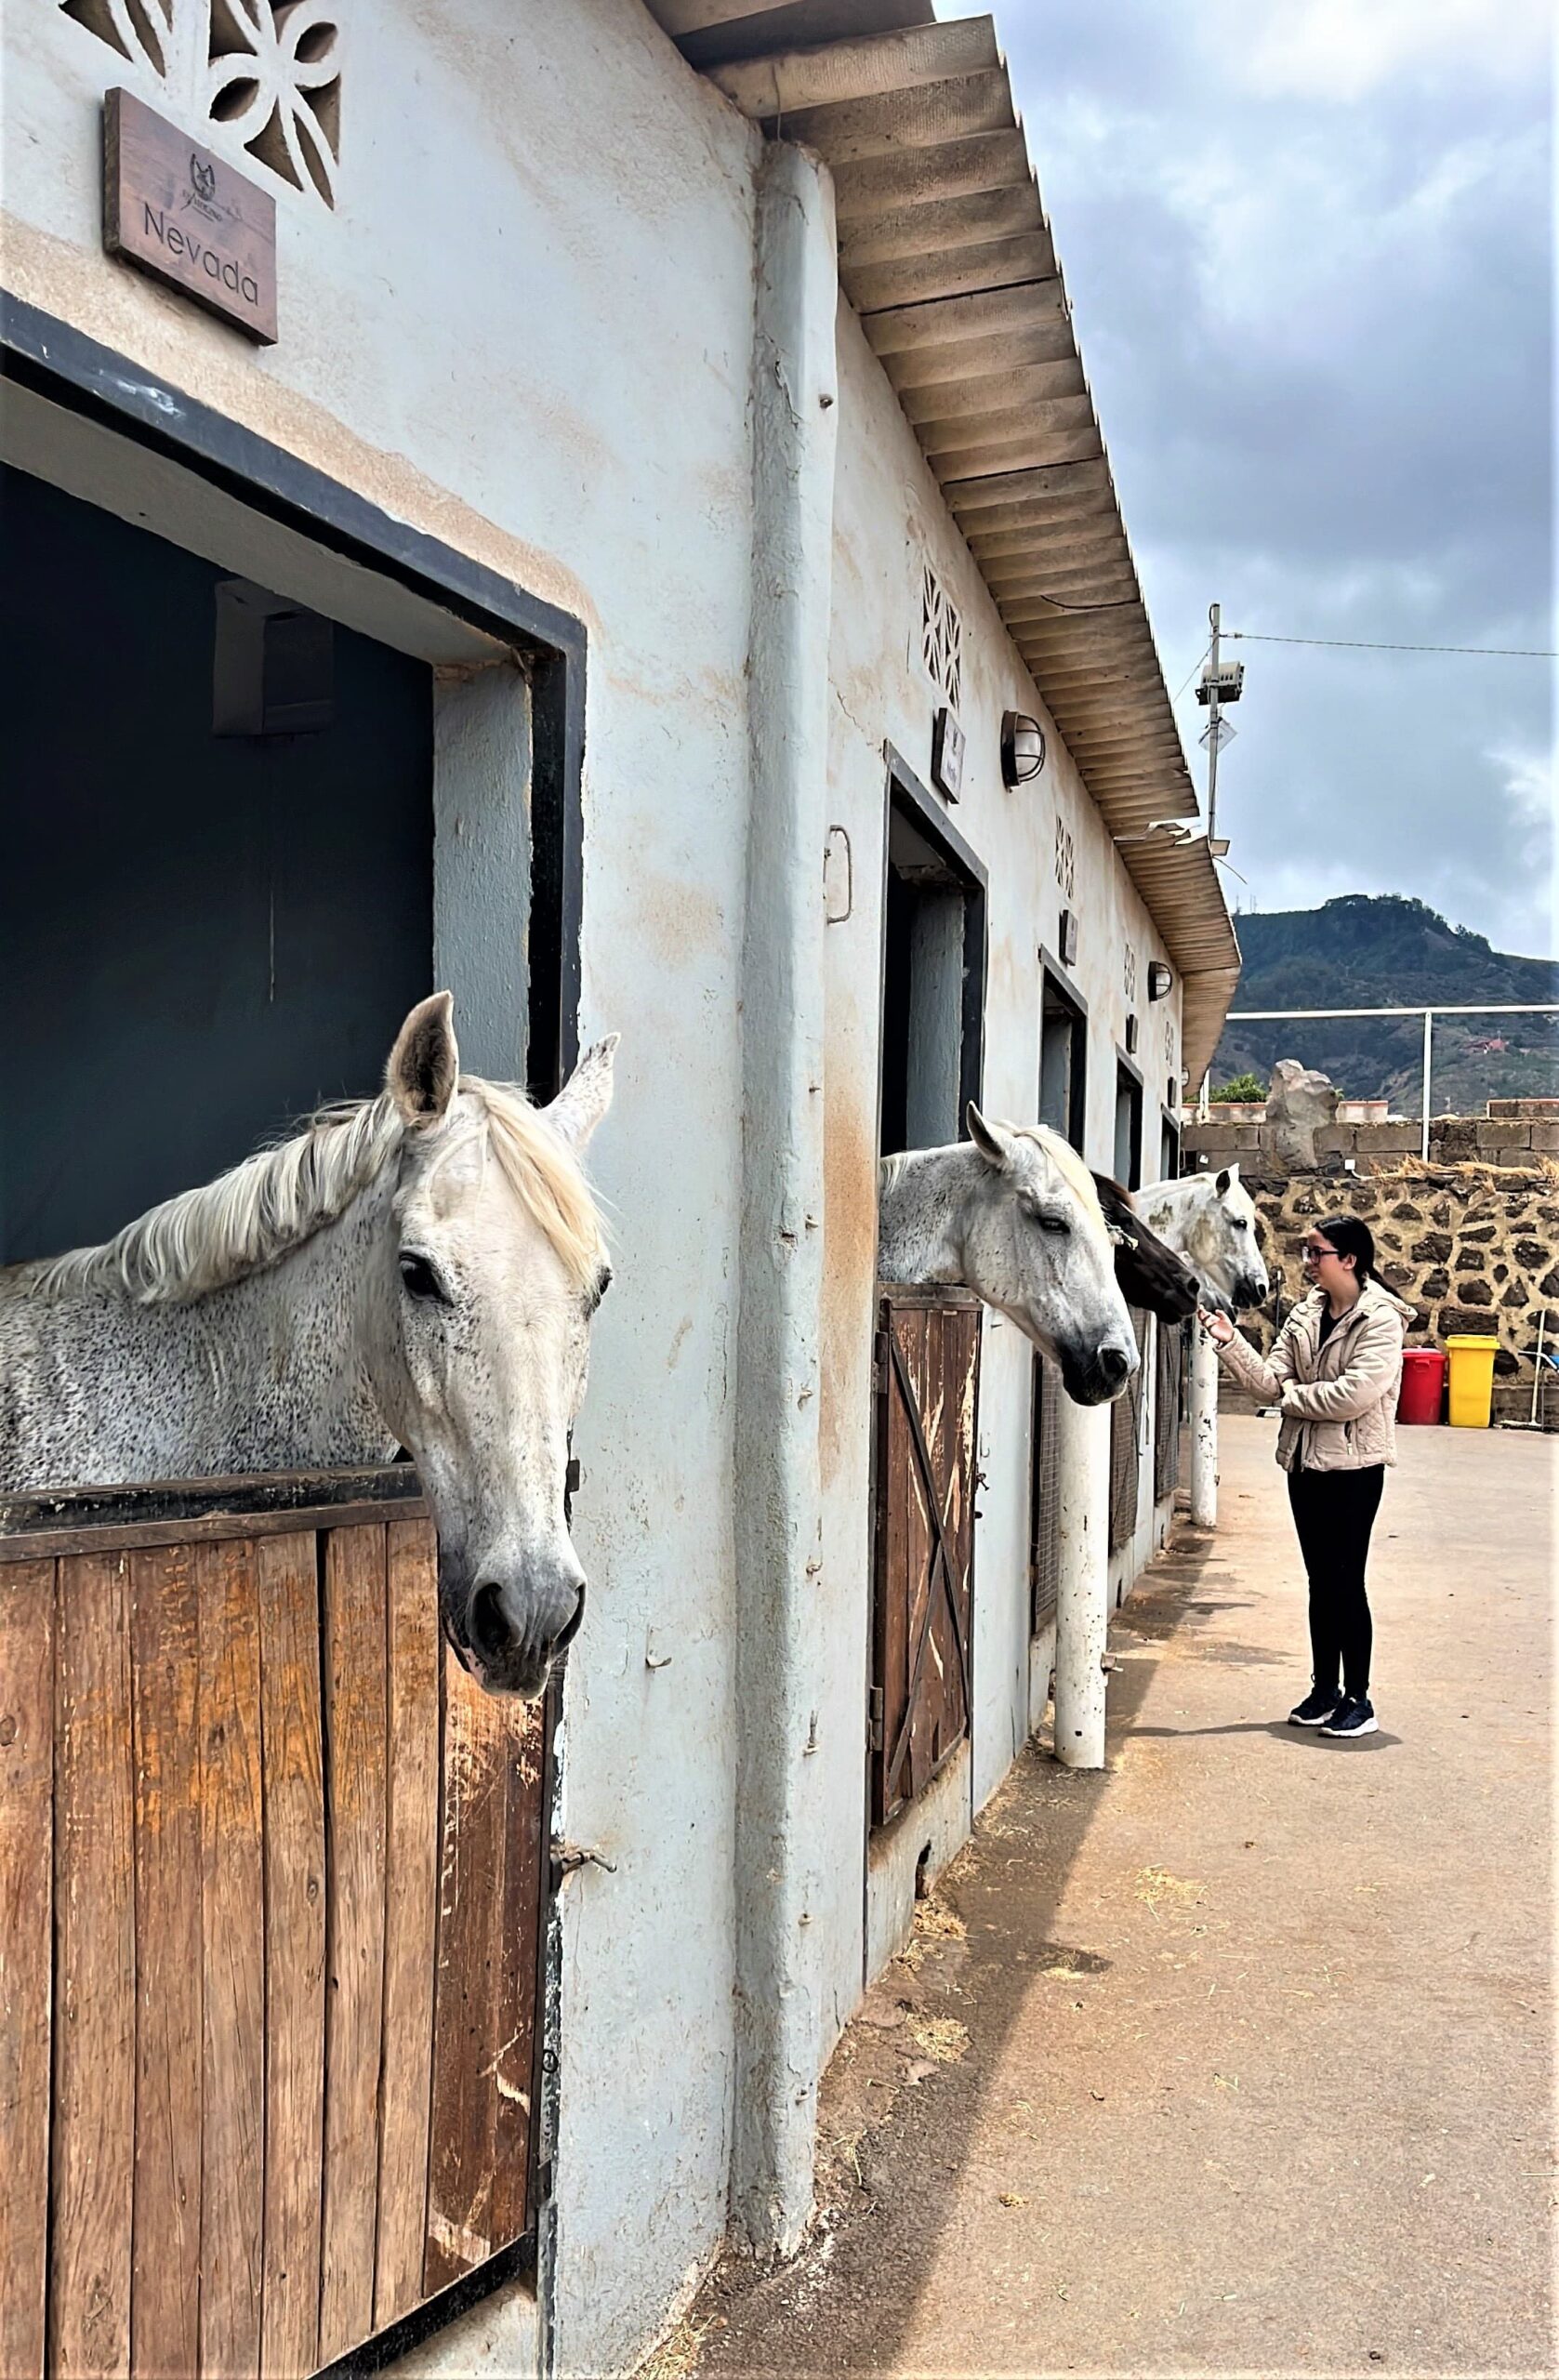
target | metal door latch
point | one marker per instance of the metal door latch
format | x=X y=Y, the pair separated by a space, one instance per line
x=567 y=1857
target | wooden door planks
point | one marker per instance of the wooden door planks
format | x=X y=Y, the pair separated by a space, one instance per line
x=412 y=1908
x=26 y=1957
x=514 y=2029
x=355 y=1717
x=233 y=1926
x=263 y=2085
x=164 y=1671
x=468 y=1989
x=484 y=2019
x=927 y=1371
x=94 y=1991
x=295 y=1927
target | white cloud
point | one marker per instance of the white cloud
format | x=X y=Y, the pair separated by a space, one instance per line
x=1309 y=251
x=1343 y=51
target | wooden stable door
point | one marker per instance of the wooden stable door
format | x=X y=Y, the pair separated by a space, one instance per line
x=927 y=1377
x=270 y=1888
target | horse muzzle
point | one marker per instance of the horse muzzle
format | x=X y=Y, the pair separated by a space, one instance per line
x=510 y=1641
x=1096 y=1375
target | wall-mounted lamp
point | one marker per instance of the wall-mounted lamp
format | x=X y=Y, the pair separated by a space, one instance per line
x=947 y=744
x=1022 y=747
x=1160 y=979
x=1067 y=938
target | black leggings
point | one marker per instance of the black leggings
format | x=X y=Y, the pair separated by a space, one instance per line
x=1334 y=1512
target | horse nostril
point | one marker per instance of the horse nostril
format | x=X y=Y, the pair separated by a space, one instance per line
x=487 y=1629
x=1114 y=1364
x=570 y=1628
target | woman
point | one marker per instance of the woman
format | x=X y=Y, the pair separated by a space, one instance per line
x=1337 y=1367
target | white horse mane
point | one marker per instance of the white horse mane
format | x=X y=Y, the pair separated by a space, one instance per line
x=1064 y=1157
x=254 y=1215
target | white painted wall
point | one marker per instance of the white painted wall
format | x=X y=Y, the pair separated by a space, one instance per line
x=890 y=521
x=528 y=329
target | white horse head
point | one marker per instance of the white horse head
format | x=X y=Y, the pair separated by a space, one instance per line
x=414 y=1270
x=478 y=1347
x=1210 y=1221
x=1012 y=1213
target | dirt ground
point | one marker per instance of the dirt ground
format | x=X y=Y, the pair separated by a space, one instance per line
x=1238 y=2056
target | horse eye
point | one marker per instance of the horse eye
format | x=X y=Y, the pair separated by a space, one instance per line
x=603 y=1282
x=421 y=1281
x=1049 y=1221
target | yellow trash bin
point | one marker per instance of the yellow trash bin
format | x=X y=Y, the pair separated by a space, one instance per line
x=1471 y=1384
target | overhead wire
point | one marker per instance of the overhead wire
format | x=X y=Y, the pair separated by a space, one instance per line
x=1365 y=644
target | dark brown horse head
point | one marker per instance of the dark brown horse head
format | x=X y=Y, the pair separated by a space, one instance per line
x=1149 y=1274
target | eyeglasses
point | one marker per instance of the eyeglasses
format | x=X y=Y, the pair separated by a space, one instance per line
x=1313 y=1254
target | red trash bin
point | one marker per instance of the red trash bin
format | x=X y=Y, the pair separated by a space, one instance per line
x=1423 y=1384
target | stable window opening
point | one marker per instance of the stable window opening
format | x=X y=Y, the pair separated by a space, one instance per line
x=933 y=985
x=1062 y=1062
x=1129 y=1128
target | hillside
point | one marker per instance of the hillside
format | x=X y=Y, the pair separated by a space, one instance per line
x=1365 y=951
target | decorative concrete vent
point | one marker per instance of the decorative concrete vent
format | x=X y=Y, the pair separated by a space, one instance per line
x=941 y=639
x=266 y=71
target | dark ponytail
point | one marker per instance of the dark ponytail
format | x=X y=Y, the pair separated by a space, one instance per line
x=1351 y=1237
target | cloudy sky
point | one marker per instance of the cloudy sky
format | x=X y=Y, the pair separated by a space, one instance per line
x=1309 y=250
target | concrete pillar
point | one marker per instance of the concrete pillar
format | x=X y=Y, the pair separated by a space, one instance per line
x=781 y=1648
x=1082 y=1610
x=1203 y=1430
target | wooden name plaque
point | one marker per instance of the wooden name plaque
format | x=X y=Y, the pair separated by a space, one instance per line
x=181 y=213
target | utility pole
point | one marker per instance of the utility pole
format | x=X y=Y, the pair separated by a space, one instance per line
x=1213 y=737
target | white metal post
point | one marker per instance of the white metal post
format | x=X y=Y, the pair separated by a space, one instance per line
x=1428 y=1040
x=1203 y=1430
x=1082 y=1607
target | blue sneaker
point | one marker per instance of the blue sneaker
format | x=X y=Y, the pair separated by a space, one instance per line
x=1317 y=1708
x=1354 y=1715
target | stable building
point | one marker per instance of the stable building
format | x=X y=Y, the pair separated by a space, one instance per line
x=600 y=508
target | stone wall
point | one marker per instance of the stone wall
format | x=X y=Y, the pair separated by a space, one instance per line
x=1469 y=1238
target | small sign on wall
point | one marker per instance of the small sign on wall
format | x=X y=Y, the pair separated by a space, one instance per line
x=185 y=214
x=947 y=744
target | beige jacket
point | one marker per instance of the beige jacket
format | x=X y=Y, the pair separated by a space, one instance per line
x=1339 y=1401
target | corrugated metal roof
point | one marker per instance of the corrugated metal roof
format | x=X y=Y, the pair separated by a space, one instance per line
x=947 y=256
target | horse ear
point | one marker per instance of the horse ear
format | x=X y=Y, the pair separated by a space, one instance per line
x=989 y=1139
x=424 y=1069
x=1226 y=1179
x=585 y=1096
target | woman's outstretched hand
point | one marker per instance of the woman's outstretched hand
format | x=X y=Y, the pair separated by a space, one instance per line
x=1219 y=1328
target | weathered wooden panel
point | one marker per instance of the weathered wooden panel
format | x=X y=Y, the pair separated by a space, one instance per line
x=165 y=1675
x=232 y=1894
x=927 y=1370
x=26 y=1957
x=94 y=1965
x=410 y=1920
x=355 y=1721
x=470 y=1963
x=294 y=1926
x=272 y=1969
x=514 y=2057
